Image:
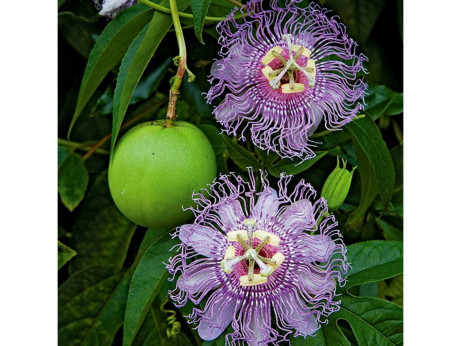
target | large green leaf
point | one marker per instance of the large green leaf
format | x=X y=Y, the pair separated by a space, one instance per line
x=199 y=10
x=109 y=50
x=328 y=335
x=376 y=168
x=91 y=305
x=148 y=277
x=381 y=100
x=374 y=260
x=135 y=62
x=242 y=157
x=65 y=254
x=293 y=167
x=101 y=234
x=149 y=84
x=374 y=321
x=72 y=178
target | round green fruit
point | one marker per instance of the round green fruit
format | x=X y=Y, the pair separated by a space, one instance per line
x=156 y=167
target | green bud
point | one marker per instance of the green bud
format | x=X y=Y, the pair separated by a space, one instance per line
x=337 y=186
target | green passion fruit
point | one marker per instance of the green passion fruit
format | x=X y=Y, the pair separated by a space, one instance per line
x=155 y=168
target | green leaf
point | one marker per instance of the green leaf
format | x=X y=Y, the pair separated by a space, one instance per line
x=192 y=93
x=65 y=254
x=214 y=137
x=150 y=83
x=294 y=167
x=135 y=62
x=390 y=232
x=373 y=261
x=242 y=157
x=374 y=321
x=148 y=277
x=108 y=51
x=199 y=10
x=375 y=164
x=381 y=100
x=72 y=178
x=91 y=305
x=393 y=291
x=78 y=31
x=101 y=234
x=328 y=335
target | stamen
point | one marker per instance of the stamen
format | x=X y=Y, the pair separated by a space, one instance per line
x=306 y=52
x=292 y=79
x=273 y=239
x=279 y=56
x=251 y=268
x=267 y=260
x=298 y=87
x=262 y=243
x=269 y=55
x=278 y=258
x=257 y=279
x=228 y=265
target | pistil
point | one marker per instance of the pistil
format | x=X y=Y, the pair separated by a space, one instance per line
x=289 y=67
x=245 y=239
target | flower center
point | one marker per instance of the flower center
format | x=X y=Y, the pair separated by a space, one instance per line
x=246 y=238
x=287 y=68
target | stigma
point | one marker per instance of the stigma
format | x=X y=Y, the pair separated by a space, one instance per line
x=284 y=76
x=252 y=254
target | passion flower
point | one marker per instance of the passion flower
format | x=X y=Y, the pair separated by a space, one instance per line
x=284 y=70
x=261 y=260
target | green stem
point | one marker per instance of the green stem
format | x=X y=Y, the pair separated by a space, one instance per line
x=181 y=60
x=181 y=14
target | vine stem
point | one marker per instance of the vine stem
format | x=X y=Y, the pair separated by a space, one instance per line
x=182 y=14
x=94 y=147
x=181 y=60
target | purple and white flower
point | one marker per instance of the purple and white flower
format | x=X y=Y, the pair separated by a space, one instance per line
x=283 y=71
x=111 y=8
x=267 y=263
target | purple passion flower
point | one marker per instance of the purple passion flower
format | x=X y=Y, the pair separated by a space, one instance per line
x=265 y=262
x=282 y=71
x=111 y=8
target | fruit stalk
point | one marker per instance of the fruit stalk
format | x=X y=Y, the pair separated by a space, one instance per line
x=181 y=60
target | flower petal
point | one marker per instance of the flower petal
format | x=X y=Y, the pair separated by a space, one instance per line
x=266 y=207
x=294 y=313
x=218 y=313
x=310 y=248
x=298 y=217
x=199 y=278
x=205 y=240
x=231 y=215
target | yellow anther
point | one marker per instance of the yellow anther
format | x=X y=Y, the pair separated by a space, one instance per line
x=257 y=280
x=273 y=239
x=230 y=252
x=278 y=258
x=310 y=67
x=269 y=57
x=298 y=87
x=233 y=236
x=306 y=52
x=267 y=72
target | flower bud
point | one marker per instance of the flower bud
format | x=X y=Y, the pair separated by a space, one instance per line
x=336 y=187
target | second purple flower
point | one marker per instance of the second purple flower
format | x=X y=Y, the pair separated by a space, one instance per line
x=283 y=71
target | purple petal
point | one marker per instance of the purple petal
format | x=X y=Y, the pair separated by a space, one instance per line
x=294 y=313
x=312 y=248
x=267 y=206
x=199 y=278
x=218 y=313
x=205 y=240
x=231 y=215
x=298 y=217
